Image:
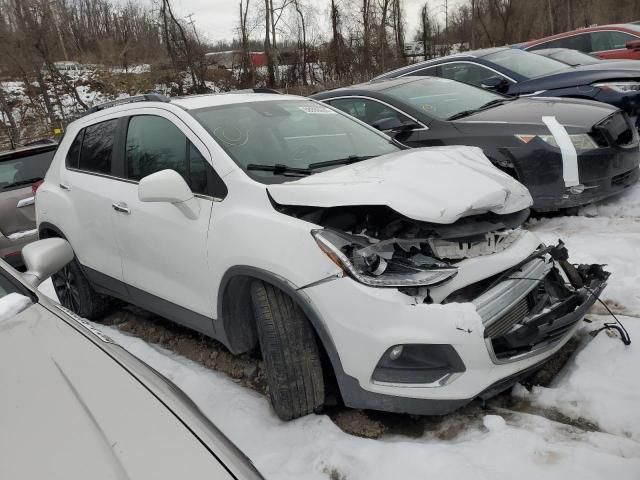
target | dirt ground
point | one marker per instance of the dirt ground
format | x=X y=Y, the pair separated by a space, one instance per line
x=247 y=370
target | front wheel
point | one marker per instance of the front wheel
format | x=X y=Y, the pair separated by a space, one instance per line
x=75 y=293
x=289 y=351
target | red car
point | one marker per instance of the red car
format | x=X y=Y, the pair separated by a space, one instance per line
x=606 y=41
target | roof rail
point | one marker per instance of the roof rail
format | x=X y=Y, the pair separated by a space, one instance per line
x=147 y=97
x=265 y=90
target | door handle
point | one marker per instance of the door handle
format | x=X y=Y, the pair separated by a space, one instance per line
x=65 y=187
x=25 y=202
x=121 y=207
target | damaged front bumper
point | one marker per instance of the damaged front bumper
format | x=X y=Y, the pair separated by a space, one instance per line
x=460 y=349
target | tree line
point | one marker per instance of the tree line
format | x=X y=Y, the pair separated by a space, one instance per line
x=306 y=45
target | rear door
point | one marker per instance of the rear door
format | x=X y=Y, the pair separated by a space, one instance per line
x=18 y=172
x=87 y=187
x=164 y=251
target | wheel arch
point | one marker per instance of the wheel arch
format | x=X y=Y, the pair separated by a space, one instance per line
x=235 y=319
x=49 y=230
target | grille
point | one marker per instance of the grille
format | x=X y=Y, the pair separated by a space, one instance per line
x=503 y=324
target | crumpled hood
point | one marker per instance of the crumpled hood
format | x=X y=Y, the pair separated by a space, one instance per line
x=436 y=184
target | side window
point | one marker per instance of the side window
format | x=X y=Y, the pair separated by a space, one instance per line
x=580 y=42
x=97 y=147
x=73 y=155
x=619 y=39
x=352 y=106
x=155 y=143
x=427 y=72
x=466 y=72
x=374 y=113
x=600 y=41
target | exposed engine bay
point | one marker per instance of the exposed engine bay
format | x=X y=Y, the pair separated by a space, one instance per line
x=380 y=247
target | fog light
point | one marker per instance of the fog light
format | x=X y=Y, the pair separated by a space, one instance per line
x=395 y=352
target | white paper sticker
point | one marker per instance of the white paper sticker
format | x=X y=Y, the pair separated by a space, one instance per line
x=317 y=109
x=567 y=149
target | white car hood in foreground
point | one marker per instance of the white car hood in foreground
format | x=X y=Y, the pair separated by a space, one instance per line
x=69 y=411
x=436 y=184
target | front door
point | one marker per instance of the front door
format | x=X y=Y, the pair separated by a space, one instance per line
x=165 y=251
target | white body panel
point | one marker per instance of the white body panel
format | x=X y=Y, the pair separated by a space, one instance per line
x=437 y=184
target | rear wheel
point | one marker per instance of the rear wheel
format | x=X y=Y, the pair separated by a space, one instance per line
x=76 y=294
x=289 y=351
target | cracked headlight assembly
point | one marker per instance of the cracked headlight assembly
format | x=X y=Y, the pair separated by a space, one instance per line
x=379 y=264
x=581 y=141
x=620 y=87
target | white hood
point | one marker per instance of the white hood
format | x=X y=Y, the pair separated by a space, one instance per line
x=436 y=184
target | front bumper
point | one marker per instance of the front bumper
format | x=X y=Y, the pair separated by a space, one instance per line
x=11 y=246
x=365 y=323
x=603 y=172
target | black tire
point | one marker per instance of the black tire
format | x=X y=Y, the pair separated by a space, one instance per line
x=290 y=353
x=76 y=294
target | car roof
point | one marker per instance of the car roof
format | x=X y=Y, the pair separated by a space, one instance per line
x=434 y=61
x=193 y=102
x=379 y=85
x=629 y=27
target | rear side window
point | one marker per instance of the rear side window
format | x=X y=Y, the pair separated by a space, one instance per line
x=97 y=147
x=155 y=143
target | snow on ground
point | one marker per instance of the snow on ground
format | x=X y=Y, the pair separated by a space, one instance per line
x=599 y=384
x=611 y=237
x=598 y=387
x=313 y=447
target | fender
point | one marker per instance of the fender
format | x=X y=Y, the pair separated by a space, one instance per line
x=228 y=329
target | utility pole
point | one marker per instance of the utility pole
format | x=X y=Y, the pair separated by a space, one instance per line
x=192 y=22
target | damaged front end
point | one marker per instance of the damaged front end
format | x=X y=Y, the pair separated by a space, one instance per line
x=532 y=306
x=381 y=248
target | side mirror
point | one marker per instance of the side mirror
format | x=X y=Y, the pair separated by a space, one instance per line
x=392 y=124
x=45 y=257
x=164 y=186
x=633 y=45
x=169 y=186
x=497 y=83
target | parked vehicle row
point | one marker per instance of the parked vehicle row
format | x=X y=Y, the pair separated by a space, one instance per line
x=276 y=223
x=520 y=73
x=521 y=136
x=617 y=41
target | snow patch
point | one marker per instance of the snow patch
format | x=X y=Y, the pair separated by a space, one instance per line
x=12 y=304
x=599 y=385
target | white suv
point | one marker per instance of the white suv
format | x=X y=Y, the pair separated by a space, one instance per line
x=277 y=224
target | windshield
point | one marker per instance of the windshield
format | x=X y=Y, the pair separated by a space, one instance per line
x=290 y=133
x=442 y=98
x=527 y=64
x=570 y=57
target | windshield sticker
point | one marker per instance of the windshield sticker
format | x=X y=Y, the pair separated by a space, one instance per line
x=317 y=109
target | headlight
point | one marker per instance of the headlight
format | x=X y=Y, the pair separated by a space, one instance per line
x=621 y=87
x=581 y=141
x=385 y=263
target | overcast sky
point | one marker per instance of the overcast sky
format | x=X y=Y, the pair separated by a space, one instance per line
x=218 y=19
